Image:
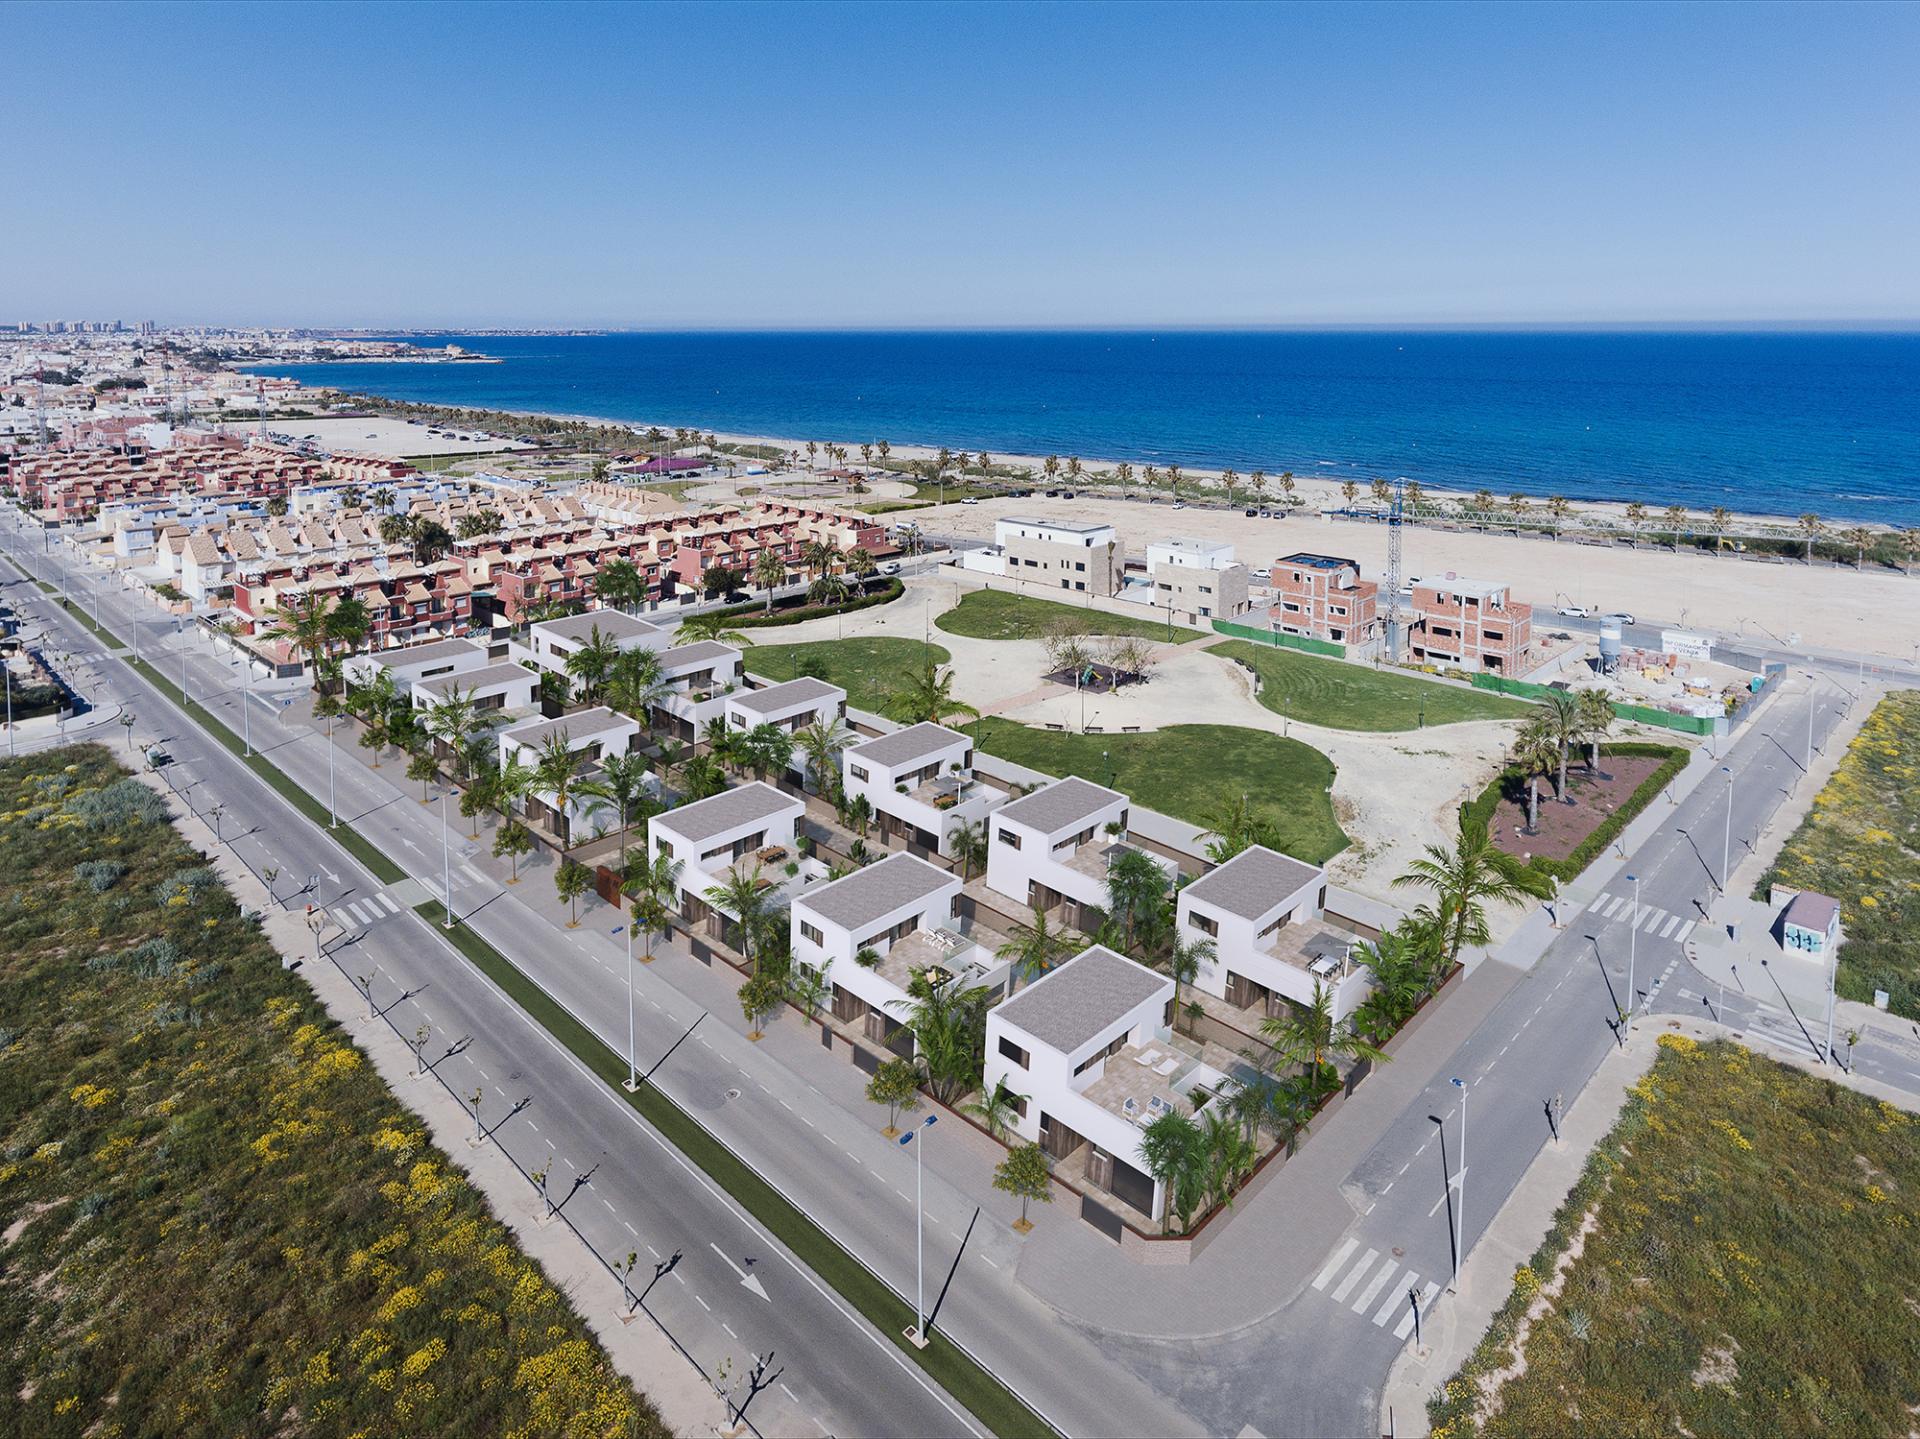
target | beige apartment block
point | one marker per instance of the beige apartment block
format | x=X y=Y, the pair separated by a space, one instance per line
x=1081 y=559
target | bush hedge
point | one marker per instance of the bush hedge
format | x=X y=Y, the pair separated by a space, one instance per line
x=752 y=616
x=1673 y=759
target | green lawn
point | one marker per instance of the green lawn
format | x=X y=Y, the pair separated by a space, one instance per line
x=1750 y=1268
x=999 y=615
x=869 y=668
x=1343 y=696
x=228 y=1224
x=1192 y=772
x=1858 y=845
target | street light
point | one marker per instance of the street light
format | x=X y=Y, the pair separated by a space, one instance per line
x=446 y=856
x=1460 y=1204
x=1726 y=839
x=918 y=1334
x=633 y=1073
x=1633 y=937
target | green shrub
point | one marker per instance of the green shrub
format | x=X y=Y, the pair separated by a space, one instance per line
x=1673 y=759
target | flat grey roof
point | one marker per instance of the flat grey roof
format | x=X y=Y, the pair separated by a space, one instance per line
x=1083 y=997
x=1253 y=882
x=805 y=690
x=1054 y=524
x=872 y=893
x=612 y=625
x=1812 y=910
x=583 y=725
x=904 y=746
x=698 y=653
x=428 y=652
x=484 y=677
x=705 y=818
x=1062 y=805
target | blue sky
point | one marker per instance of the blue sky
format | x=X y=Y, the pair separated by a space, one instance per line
x=857 y=165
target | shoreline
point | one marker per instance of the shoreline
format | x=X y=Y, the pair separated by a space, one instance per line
x=1308 y=485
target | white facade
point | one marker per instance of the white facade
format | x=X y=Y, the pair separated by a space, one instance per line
x=590 y=734
x=411 y=664
x=1054 y=1040
x=701 y=676
x=919 y=782
x=503 y=686
x=1263 y=913
x=1052 y=846
x=792 y=707
x=708 y=836
x=551 y=642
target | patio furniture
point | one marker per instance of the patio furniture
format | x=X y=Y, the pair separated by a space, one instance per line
x=1167 y=1065
x=1147 y=1058
x=1131 y=1109
x=1156 y=1106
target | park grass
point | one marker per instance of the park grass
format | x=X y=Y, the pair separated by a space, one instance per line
x=1192 y=772
x=226 y=1222
x=1749 y=1269
x=870 y=668
x=1339 y=695
x=1857 y=844
x=999 y=615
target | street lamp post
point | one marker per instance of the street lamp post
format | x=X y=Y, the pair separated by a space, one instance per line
x=1726 y=839
x=1813 y=708
x=1833 y=965
x=633 y=1073
x=446 y=856
x=333 y=813
x=918 y=1334
x=1460 y=1204
x=1633 y=945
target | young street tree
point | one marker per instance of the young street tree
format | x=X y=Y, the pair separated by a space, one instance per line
x=1024 y=1175
x=895 y=1084
x=512 y=840
x=570 y=881
x=760 y=996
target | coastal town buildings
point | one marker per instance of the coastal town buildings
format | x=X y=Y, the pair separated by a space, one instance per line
x=1322 y=597
x=1050 y=850
x=1470 y=624
x=1197 y=580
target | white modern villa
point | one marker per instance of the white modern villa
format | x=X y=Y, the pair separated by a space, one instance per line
x=1263 y=913
x=410 y=664
x=550 y=643
x=920 y=784
x=1053 y=847
x=504 y=686
x=752 y=828
x=590 y=735
x=792 y=706
x=700 y=677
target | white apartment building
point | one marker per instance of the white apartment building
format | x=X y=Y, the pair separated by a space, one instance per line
x=1196 y=580
x=503 y=686
x=1084 y=1048
x=701 y=676
x=1052 y=848
x=1264 y=914
x=551 y=642
x=1082 y=559
x=590 y=735
x=900 y=914
x=410 y=664
x=753 y=827
x=792 y=706
x=919 y=782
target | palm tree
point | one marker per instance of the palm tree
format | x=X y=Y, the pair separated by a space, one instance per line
x=1174 y=1152
x=770 y=571
x=1636 y=516
x=1286 y=486
x=1123 y=474
x=451 y=721
x=766 y=749
x=635 y=684
x=1229 y=1155
x=997 y=1108
x=1173 y=480
x=1676 y=516
x=819 y=556
x=701 y=777
x=556 y=773
x=1185 y=959
x=1036 y=947
x=860 y=564
x=711 y=627
x=1909 y=547
x=1257 y=482
x=1228 y=479
x=968 y=845
x=949 y=1025
x=302 y=623
x=1309 y=1035
x=1812 y=526
x=1860 y=537
x=928 y=697
x=651 y=882
x=743 y=894
x=1560 y=714
x=1349 y=491
x=1534 y=754
x=622 y=783
x=619 y=584
x=860 y=813
x=1136 y=891
x=1596 y=723
x=587 y=666
x=1380 y=490
x=823 y=742
x=347 y=623
x=1465 y=877
x=1722 y=518
x=1559 y=509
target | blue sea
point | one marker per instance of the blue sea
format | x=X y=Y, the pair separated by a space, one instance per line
x=1774 y=423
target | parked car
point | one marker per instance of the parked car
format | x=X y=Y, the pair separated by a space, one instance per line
x=1574 y=612
x=1266 y=514
x=1622 y=616
x=1179 y=504
x=1066 y=494
x=1251 y=514
x=969 y=500
x=891 y=567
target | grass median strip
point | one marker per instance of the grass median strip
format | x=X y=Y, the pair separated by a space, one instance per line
x=986 y=1397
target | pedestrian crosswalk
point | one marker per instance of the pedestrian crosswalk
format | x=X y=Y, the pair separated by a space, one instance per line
x=1647 y=918
x=1374 y=1279
x=359 y=913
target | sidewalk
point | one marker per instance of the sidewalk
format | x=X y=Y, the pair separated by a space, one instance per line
x=1458 y=1321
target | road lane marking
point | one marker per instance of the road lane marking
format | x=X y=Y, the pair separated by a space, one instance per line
x=1391 y=1304
x=1332 y=1266
x=1670 y=926
x=703 y=1303
x=1355 y=1274
x=1405 y=1326
x=1364 y=1299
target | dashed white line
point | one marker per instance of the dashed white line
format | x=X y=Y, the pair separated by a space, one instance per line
x=703 y=1303
x=729 y=1328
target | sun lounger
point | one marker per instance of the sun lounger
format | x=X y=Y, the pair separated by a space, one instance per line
x=1131 y=1109
x=1147 y=1058
x=1167 y=1065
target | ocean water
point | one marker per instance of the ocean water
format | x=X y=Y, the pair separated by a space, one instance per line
x=1774 y=423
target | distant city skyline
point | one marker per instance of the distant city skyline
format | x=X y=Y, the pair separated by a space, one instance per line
x=934 y=167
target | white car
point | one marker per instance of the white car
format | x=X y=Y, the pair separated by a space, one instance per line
x=1179 y=504
x=969 y=500
x=1574 y=612
x=1621 y=616
x=891 y=567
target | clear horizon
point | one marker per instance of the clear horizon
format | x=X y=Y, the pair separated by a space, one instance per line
x=812 y=167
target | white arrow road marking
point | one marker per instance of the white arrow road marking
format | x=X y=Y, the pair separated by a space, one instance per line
x=747 y=1281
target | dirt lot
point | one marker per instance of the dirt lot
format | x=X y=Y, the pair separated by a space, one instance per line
x=1563 y=826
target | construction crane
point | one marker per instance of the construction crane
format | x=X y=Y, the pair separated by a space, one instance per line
x=1395 y=519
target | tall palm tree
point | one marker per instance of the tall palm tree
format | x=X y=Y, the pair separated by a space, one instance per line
x=1561 y=716
x=635 y=684
x=1860 y=537
x=711 y=627
x=1811 y=526
x=949 y=1024
x=651 y=882
x=1036 y=947
x=1185 y=959
x=819 y=556
x=557 y=774
x=451 y=721
x=347 y=623
x=1722 y=518
x=587 y=666
x=1309 y=1036
x=823 y=742
x=1349 y=491
x=1465 y=877
x=302 y=623
x=743 y=894
x=770 y=571
x=1136 y=890
x=1676 y=517
x=1534 y=754
x=1123 y=474
x=1597 y=720
x=512 y=784
x=928 y=696
x=1286 y=485
x=968 y=845
x=1175 y=1153
x=1559 y=509
x=622 y=784
x=1636 y=515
